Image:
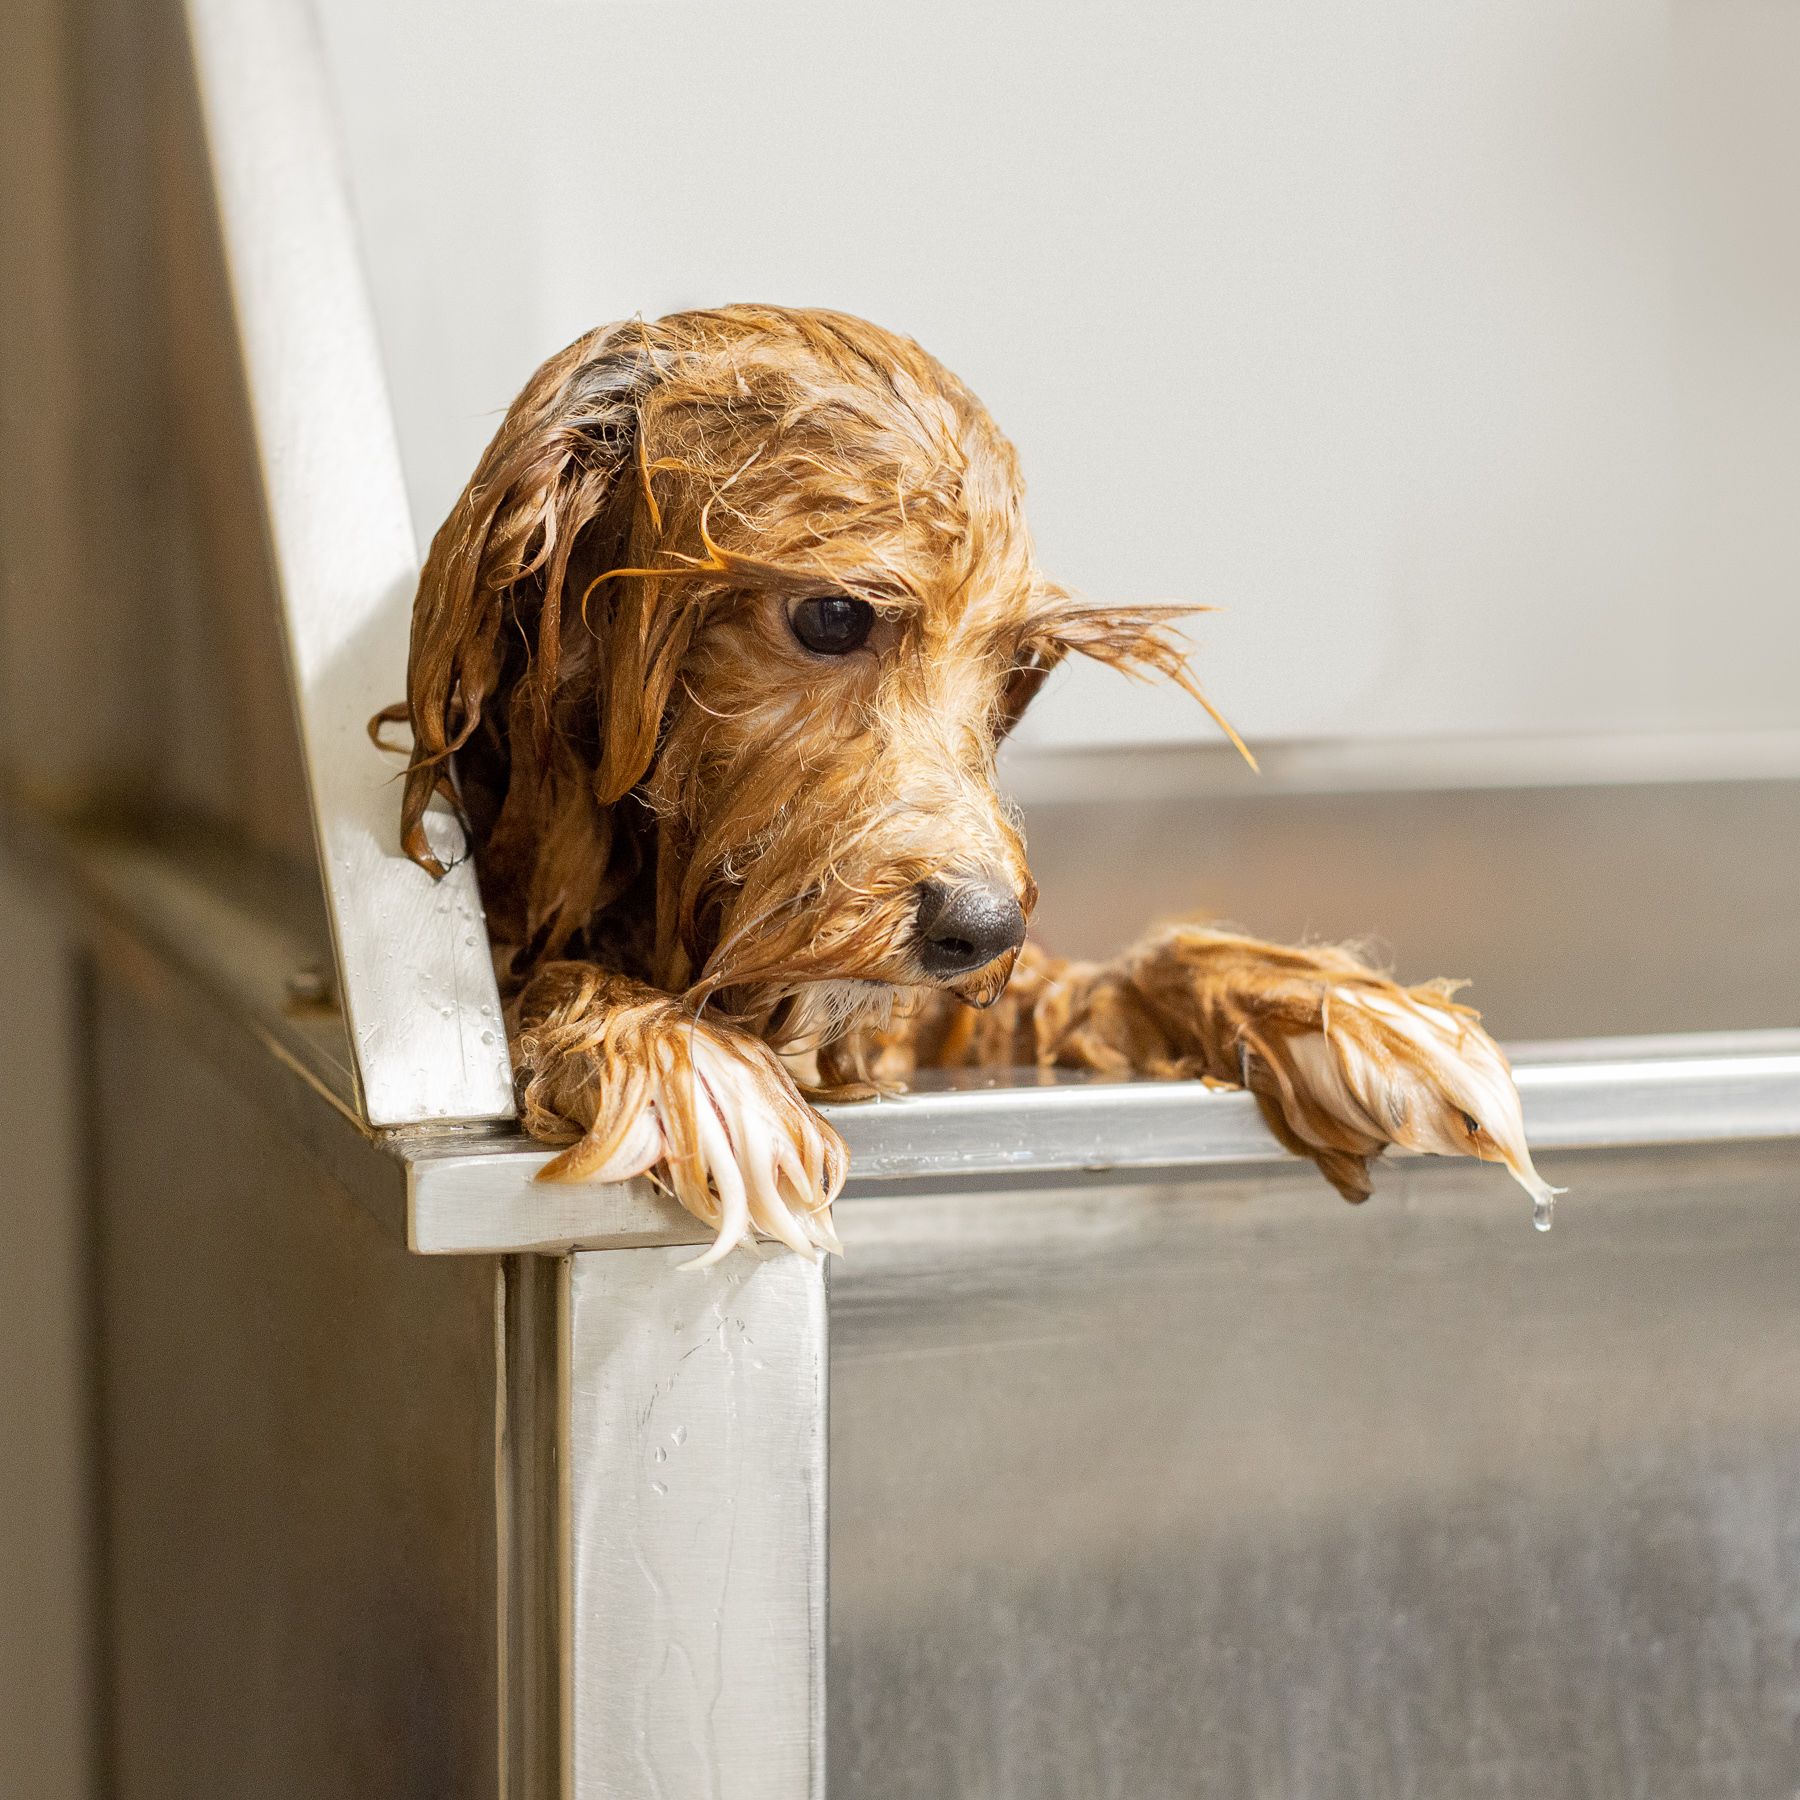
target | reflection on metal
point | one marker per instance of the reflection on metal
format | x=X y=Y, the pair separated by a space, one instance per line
x=696 y=1447
x=1745 y=1086
x=412 y=956
x=1218 y=1490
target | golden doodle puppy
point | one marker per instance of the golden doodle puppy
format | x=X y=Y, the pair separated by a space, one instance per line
x=721 y=641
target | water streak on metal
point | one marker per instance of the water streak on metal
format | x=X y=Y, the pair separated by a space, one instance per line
x=696 y=1445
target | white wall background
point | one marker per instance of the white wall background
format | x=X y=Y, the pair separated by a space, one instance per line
x=1455 y=349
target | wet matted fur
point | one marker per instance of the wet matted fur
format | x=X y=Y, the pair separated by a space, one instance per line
x=713 y=657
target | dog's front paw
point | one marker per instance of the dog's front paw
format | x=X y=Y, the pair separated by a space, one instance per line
x=1406 y=1066
x=705 y=1109
x=1343 y=1061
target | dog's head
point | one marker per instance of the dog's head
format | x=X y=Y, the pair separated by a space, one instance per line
x=735 y=614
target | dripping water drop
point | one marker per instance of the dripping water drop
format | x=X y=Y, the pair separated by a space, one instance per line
x=1541 y=1211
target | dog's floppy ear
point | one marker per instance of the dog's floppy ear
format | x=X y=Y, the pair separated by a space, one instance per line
x=1031 y=669
x=1136 y=639
x=560 y=475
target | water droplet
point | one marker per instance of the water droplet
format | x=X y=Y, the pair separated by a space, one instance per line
x=659 y=1487
x=469 y=942
x=1541 y=1211
x=487 y=1012
x=446 y=1010
x=487 y=1037
x=661 y=1455
x=679 y=1435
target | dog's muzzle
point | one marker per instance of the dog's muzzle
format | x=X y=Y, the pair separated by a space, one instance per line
x=965 y=927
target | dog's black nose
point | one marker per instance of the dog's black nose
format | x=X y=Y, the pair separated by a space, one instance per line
x=963 y=928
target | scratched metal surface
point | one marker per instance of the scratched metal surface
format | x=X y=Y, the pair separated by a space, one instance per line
x=1224 y=1489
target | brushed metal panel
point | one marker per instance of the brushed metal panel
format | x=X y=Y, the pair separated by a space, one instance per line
x=416 y=980
x=1222 y=1488
x=696 y=1499
x=1020 y=1126
x=301 y=1505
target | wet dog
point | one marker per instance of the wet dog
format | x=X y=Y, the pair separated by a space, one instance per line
x=713 y=657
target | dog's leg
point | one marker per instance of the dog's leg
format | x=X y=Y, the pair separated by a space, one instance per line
x=1342 y=1061
x=633 y=1082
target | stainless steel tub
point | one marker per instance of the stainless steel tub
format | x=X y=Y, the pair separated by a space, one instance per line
x=1153 y=1469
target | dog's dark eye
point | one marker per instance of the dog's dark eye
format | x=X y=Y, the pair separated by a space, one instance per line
x=833 y=624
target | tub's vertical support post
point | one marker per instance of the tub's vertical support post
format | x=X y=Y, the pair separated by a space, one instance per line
x=695 y=1464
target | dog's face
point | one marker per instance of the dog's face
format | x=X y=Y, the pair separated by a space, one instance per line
x=777 y=595
x=860 y=650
